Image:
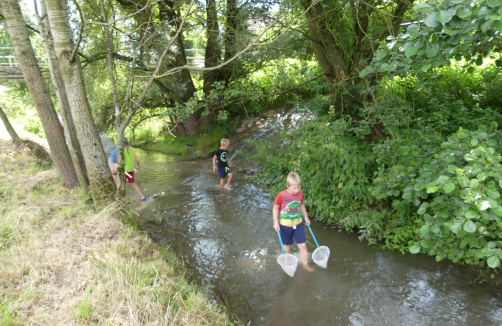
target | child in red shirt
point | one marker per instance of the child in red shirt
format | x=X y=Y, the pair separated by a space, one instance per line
x=291 y=207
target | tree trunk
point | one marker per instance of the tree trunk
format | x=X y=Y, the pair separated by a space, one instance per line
x=231 y=23
x=39 y=92
x=213 y=50
x=168 y=13
x=57 y=81
x=8 y=126
x=100 y=178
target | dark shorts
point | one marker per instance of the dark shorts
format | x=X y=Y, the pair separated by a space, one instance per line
x=113 y=156
x=288 y=233
x=129 y=179
x=223 y=172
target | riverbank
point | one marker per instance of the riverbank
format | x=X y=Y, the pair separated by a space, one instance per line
x=64 y=263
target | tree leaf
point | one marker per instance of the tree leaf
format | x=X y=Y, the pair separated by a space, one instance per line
x=422 y=5
x=492 y=193
x=431 y=20
x=449 y=187
x=432 y=189
x=471 y=214
x=493 y=3
x=463 y=12
x=380 y=54
x=456 y=227
x=493 y=262
x=474 y=142
x=470 y=157
x=443 y=17
x=415 y=249
x=422 y=209
x=474 y=183
x=470 y=227
x=410 y=49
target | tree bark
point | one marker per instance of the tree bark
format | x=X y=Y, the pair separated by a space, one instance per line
x=100 y=178
x=13 y=134
x=213 y=51
x=39 y=92
x=230 y=40
x=64 y=107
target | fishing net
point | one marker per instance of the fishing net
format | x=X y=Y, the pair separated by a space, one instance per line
x=320 y=256
x=288 y=263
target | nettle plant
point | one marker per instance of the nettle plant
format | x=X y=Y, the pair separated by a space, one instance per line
x=458 y=196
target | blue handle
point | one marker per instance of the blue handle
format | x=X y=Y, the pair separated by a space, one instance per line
x=317 y=244
x=280 y=239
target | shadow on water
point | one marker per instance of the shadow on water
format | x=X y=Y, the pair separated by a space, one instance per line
x=227 y=238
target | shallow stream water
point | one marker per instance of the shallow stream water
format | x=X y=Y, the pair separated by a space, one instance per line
x=228 y=238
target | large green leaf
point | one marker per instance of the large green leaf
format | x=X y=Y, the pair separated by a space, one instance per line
x=410 y=49
x=431 y=20
x=470 y=227
x=422 y=5
x=380 y=54
x=443 y=16
x=449 y=187
x=492 y=193
x=471 y=214
x=432 y=189
x=493 y=3
x=463 y=12
x=493 y=262
x=456 y=227
x=415 y=249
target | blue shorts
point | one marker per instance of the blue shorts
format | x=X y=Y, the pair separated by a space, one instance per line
x=224 y=171
x=113 y=156
x=288 y=233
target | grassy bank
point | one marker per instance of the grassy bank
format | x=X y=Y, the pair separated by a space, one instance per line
x=203 y=144
x=63 y=263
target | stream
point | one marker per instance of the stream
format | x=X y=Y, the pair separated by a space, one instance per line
x=227 y=237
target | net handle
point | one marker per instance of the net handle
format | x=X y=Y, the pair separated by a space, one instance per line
x=280 y=239
x=317 y=244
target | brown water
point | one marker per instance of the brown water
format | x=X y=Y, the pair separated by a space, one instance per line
x=228 y=239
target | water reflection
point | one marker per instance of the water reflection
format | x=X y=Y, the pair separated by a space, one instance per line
x=228 y=238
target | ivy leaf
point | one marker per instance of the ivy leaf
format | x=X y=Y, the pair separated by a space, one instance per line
x=431 y=20
x=470 y=227
x=493 y=262
x=449 y=187
x=415 y=249
x=443 y=16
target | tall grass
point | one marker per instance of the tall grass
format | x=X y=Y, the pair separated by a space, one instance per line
x=62 y=263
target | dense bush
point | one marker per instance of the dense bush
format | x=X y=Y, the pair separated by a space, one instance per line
x=432 y=185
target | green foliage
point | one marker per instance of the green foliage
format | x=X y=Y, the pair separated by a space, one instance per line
x=442 y=31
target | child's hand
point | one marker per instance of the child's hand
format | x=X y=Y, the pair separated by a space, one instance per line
x=230 y=164
x=276 y=225
x=214 y=168
x=307 y=221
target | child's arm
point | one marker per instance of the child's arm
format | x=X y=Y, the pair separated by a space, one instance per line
x=214 y=163
x=304 y=212
x=275 y=215
x=229 y=163
x=137 y=162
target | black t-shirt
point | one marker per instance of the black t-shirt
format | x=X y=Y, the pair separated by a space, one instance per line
x=222 y=157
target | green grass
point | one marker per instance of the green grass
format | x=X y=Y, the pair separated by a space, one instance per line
x=203 y=143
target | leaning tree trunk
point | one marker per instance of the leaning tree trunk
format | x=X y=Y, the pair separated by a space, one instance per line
x=213 y=51
x=100 y=178
x=39 y=92
x=8 y=126
x=230 y=39
x=57 y=81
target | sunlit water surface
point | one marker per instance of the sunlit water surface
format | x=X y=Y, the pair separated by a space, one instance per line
x=228 y=238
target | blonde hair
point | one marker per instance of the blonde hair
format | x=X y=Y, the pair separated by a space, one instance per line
x=293 y=179
x=224 y=142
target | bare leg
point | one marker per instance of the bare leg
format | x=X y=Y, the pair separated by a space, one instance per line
x=113 y=168
x=228 y=181
x=137 y=190
x=222 y=182
x=304 y=256
x=287 y=248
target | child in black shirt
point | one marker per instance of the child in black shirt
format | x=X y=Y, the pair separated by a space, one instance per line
x=223 y=162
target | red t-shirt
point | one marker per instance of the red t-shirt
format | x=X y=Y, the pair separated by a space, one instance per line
x=290 y=204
